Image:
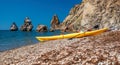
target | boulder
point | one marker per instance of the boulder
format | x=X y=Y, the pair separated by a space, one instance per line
x=27 y=26
x=13 y=27
x=41 y=28
x=93 y=14
x=55 y=23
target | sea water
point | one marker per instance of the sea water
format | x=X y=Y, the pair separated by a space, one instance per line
x=15 y=39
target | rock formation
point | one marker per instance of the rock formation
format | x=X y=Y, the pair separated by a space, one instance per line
x=13 y=27
x=41 y=28
x=55 y=23
x=93 y=14
x=27 y=26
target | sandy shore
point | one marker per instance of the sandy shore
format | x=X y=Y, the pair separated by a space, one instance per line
x=94 y=50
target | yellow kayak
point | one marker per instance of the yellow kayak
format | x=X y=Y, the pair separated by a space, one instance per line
x=72 y=35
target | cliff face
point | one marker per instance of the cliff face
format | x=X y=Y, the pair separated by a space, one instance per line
x=93 y=14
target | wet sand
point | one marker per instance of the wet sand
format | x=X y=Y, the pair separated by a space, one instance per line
x=92 y=50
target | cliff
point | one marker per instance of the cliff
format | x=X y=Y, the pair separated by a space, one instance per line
x=93 y=14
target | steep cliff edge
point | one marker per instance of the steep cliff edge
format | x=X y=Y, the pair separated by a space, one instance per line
x=93 y=14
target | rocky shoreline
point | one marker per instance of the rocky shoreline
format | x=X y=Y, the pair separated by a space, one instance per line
x=94 y=50
x=103 y=49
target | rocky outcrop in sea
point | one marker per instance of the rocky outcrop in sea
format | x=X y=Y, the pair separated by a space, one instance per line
x=93 y=14
x=13 y=27
x=41 y=28
x=27 y=26
x=55 y=23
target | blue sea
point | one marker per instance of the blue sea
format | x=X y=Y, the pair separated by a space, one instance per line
x=15 y=39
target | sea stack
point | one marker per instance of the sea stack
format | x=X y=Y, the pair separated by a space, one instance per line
x=55 y=23
x=94 y=14
x=27 y=26
x=13 y=27
x=41 y=28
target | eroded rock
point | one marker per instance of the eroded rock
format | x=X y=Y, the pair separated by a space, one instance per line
x=13 y=27
x=27 y=26
x=41 y=28
x=55 y=23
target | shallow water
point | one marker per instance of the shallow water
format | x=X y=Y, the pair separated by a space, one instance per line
x=15 y=39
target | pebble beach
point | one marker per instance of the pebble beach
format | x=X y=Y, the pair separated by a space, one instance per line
x=93 y=50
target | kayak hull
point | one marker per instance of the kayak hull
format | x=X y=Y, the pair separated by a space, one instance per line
x=71 y=35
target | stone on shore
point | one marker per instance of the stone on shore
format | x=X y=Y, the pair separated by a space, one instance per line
x=27 y=26
x=13 y=27
x=41 y=28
